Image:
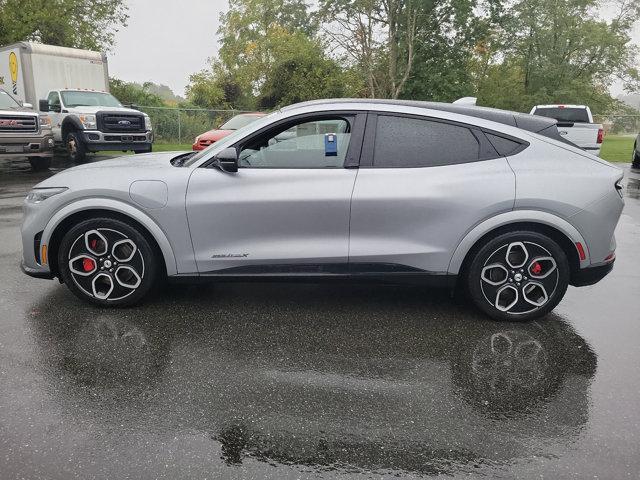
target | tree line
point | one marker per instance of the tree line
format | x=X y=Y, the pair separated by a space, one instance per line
x=509 y=53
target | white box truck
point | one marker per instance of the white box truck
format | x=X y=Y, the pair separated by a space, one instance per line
x=72 y=86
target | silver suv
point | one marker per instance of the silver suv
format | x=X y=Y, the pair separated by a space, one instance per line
x=494 y=202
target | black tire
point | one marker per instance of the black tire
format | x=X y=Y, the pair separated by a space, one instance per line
x=495 y=281
x=107 y=263
x=635 y=158
x=76 y=149
x=149 y=149
x=39 y=164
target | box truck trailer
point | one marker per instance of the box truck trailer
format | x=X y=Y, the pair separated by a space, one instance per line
x=72 y=87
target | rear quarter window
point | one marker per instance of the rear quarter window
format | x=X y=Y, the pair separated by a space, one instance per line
x=412 y=142
x=504 y=146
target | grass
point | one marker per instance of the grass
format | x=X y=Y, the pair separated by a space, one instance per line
x=617 y=148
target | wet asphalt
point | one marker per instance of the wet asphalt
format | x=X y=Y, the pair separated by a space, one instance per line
x=305 y=381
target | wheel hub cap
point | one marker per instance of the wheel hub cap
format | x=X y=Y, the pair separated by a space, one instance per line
x=519 y=277
x=105 y=264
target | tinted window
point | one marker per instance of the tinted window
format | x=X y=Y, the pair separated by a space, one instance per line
x=411 y=142
x=309 y=144
x=503 y=146
x=569 y=115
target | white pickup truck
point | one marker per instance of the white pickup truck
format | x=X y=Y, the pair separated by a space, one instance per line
x=575 y=123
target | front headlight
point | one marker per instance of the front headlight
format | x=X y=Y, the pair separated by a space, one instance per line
x=45 y=121
x=88 y=121
x=38 y=195
x=147 y=123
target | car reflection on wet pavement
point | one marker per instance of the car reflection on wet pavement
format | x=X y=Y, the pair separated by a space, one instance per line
x=300 y=381
x=375 y=385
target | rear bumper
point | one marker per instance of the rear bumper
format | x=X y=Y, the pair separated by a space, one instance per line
x=590 y=275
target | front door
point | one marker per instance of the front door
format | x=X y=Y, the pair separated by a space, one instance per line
x=287 y=208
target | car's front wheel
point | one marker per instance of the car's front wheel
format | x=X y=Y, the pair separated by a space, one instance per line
x=518 y=276
x=107 y=262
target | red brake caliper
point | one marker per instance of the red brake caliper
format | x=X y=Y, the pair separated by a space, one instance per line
x=88 y=264
x=536 y=268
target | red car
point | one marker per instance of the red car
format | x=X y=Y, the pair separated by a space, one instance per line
x=207 y=138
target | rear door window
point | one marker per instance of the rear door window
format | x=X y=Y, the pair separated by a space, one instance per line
x=564 y=115
x=413 y=142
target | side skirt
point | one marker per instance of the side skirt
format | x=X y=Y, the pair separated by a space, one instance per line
x=315 y=273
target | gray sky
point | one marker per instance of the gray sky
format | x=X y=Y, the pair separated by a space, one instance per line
x=168 y=40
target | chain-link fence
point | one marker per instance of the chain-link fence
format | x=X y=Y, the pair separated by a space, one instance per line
x=619 y=124
x=183 y=125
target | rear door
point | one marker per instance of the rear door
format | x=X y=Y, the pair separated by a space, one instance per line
x=286 y=210
x=423 y=184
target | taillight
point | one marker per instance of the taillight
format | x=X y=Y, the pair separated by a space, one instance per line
x=600 y=135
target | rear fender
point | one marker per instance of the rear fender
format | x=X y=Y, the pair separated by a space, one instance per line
x=513 y=217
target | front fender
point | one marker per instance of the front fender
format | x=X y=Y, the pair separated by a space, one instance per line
x=515 y=216
x=120 y=207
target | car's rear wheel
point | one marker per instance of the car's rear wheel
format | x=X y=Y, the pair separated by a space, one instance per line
x=518 y=276
x=108 y=262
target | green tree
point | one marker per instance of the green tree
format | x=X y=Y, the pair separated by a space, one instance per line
x=246 y=31
x=89 y=24
x=134 y=94
x=557 y=51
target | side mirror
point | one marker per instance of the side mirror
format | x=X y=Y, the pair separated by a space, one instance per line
x=43 y=105
x=227 y=160
x=27 y=105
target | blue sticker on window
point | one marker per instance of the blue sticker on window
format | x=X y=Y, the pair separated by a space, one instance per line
x=330 y=145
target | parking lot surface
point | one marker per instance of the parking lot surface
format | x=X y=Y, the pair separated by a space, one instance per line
x=300 y=381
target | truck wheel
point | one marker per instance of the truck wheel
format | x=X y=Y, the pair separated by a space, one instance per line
x=146 y=150
x=76 y=148
x=40 y=163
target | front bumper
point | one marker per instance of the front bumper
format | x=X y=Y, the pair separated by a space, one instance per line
x=36 y=145
x=32 y=272
x=590 y=275
x=96 y=141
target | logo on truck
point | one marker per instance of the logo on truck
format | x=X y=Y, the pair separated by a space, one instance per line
x=13 y=70
x=8 y=123
x=124 y=122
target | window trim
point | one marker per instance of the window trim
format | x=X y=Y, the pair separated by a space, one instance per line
x=356 y=118
x=486 y=149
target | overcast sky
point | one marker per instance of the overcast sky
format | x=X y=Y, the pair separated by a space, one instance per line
x=168 y=40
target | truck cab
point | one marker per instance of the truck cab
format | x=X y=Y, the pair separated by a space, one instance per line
x=91 y=121
x=24 y=133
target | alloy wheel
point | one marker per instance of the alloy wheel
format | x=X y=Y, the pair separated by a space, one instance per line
x=105 y=264
x=519 y=277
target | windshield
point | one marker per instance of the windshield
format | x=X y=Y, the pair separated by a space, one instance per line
x=7 y=102
x=72 y=98
x=239 y=121
x=572 y=115
x=230 y=139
